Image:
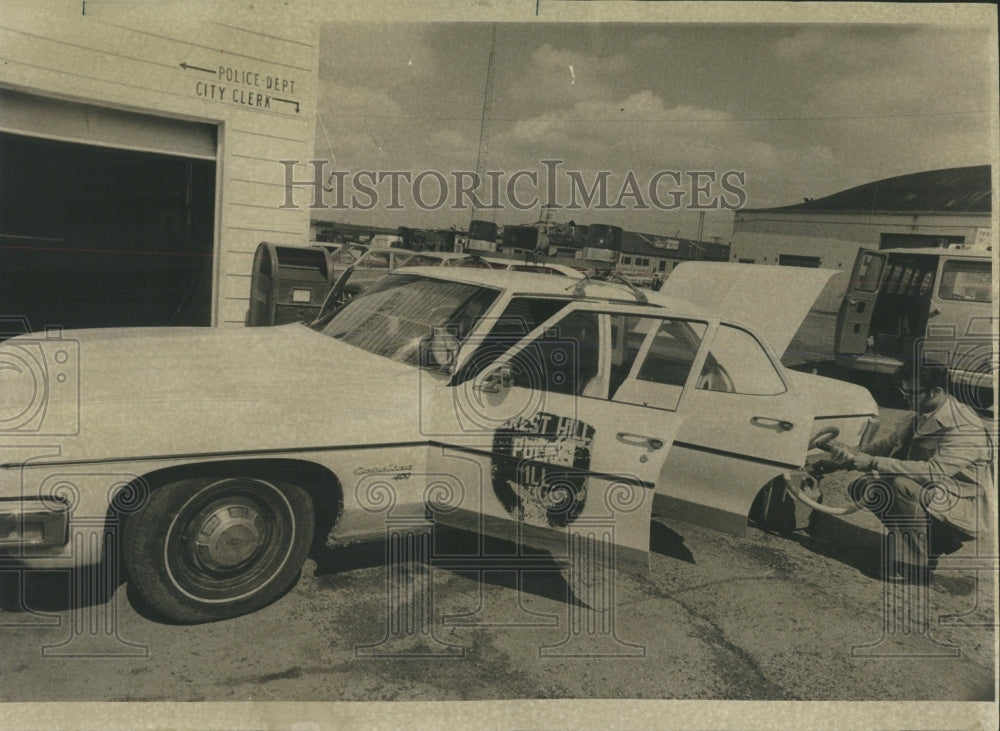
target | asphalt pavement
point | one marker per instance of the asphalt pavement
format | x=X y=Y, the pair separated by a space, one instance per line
x=716 y=617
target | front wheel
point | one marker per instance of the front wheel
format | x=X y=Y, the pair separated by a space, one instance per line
x=208 y=549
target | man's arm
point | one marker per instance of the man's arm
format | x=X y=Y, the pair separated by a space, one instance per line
x=952 y=457
x=891 y=442
x=847 y=459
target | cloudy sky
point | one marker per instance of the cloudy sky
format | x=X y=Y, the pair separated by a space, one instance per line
x=801 y=110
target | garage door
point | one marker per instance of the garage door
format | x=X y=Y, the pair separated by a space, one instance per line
x=106 y=217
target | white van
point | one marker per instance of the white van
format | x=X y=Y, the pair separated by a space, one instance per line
x=385 y=241
x=937 y=300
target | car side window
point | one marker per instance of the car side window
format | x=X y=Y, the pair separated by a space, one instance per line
x=565 y=359
x=347 y=255
x=672 y=352
x=869 y=273
x=374 y=260
x=737 y=363
x=520 y=317
x=415 y=260
x=966 y=280
x=652 y=358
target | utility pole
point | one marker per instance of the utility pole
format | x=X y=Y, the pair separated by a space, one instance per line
x=484 y=122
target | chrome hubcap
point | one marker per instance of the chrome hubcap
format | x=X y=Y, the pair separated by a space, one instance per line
x=227 y=536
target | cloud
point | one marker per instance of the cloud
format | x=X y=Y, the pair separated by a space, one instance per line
x=376 y=55
x=869 y=73
x=802 y=111
x=640 y=126
x=546 y=79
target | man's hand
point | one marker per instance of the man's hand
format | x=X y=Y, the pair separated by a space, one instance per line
x=847 y=459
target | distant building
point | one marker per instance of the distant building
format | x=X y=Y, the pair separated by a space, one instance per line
x=645 y=257
x=932 y=208
x=332 y=231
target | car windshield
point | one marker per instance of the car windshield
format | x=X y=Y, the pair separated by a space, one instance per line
x=396 y=317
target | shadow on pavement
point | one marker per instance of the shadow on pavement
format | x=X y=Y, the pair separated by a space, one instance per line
x=829 y=536
x=493 y=561
x=55 y=590
x=666 y=542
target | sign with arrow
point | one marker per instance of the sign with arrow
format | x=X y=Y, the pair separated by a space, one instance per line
x=187 y=66
x=245 y=87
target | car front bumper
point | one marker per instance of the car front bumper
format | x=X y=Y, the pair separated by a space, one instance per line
x=29 y=523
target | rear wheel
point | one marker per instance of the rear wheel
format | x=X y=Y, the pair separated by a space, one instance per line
x=208 y=549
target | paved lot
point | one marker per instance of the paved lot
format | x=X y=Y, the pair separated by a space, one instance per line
x=716 y=617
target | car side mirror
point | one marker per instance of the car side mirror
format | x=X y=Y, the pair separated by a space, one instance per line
x=498 y=378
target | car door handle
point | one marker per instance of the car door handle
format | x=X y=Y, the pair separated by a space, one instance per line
x=641 y=439
x=768 y=422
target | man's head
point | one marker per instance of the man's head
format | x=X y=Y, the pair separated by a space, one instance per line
x=925 y=385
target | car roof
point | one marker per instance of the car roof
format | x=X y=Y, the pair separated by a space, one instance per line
x=530 y=283
x=541 y=266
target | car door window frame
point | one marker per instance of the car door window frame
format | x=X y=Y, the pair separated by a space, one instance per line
x=545 y=330
x=571 y=308
x=709 y=341
x=604 y=330
x=466 y=366
x=696 y=364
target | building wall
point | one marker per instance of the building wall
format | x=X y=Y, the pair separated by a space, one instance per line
x=761 y=237
x=252 y=72
x=865 y=229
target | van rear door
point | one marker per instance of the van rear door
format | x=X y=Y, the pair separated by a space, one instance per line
x=855 y=316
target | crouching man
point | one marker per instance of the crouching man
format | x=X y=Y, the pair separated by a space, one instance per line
x=930 y=481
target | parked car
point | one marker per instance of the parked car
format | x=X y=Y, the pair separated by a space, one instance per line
x=937 y=300
x=513 y=265
x=342 y=255
x=501 y=401
x=371 y=267
x=375 y=264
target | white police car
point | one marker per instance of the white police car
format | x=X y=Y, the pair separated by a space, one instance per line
x=503 y=401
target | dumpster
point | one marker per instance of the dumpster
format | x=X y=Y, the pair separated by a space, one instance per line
x=288 y=284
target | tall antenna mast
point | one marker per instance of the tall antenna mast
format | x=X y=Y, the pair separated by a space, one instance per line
x=484 y=122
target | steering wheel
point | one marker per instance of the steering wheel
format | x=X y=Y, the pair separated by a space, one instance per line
x=822 y=438
x=796 y=491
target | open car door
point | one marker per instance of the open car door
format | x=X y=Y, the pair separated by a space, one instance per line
x=855 y=315
x=744 y=424
x=543 y=447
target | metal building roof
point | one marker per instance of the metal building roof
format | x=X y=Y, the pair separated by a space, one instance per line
x=951 y=190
